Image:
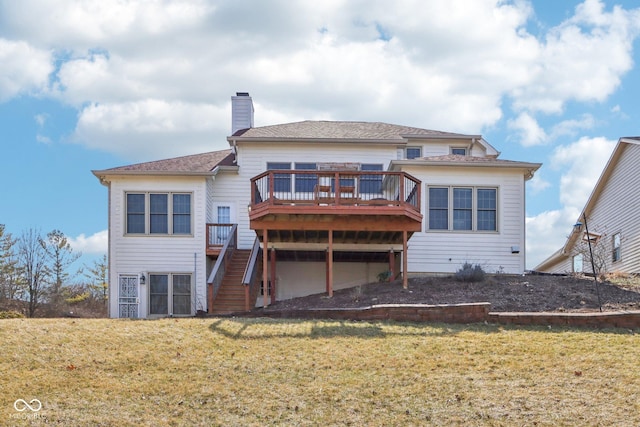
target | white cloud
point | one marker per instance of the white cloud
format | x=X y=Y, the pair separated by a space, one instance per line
x=96 y=243
x=572 y=126
x=410 y=64
x=537 y=184
x=529 y=131
x=24 y=69
x=581 y=163
x=547 y=232
x=41 y=119
x=151 y=129
x=582 y=59
x=42 y=139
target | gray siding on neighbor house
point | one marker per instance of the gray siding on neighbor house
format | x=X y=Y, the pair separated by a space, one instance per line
x=612 y=208
x=616 y=211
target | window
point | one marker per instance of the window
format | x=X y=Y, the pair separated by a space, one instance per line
x=371 y=184
x=222 y=231
x=487 y=209
x=282 y=181
x=577 y=263
x=459 y=151
x=181 y=214
x=438 y=208
x=462 y=208
x=159 y=218
x=170 y=291
x=305 y=183
x=616 y=247
x=413 y=152
x=158 y=213
x=135 y=213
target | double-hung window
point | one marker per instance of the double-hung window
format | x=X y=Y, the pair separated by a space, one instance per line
x=462 y=208
x=158 y=213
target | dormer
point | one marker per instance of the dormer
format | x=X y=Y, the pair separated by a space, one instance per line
x=418 y=146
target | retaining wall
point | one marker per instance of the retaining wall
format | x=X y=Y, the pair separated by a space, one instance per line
x=460 y=313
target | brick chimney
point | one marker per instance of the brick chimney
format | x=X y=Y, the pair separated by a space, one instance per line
x=241 y=112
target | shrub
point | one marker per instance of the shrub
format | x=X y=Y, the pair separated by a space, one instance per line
x=11 y=315
x=470 y=273
x=384 y=276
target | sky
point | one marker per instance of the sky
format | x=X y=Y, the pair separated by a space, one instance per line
x=88 y=85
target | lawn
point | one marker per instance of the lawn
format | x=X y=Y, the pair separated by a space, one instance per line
x=260 y=372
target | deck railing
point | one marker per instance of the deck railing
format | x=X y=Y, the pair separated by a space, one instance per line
x=355 y=188
x=218 y=234
x=251 y=278
x=219 y=269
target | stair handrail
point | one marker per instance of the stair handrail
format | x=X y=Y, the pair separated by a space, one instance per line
x=220 y=267
x=250 y=278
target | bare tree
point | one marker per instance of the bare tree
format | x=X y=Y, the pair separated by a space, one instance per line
x=98 y=274
x=61 y=256
x=10 y=278
x=33 y=259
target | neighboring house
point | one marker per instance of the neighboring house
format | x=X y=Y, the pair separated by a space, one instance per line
x=308 y=207
x=611 y=216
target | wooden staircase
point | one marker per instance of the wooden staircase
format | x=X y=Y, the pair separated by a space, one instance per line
x=230 y=298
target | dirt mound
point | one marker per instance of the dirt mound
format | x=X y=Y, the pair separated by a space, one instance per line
x=529 y=293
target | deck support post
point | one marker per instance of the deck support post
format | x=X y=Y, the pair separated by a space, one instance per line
x=265 y=268
x=330 y=265
x=273 y=275
x=405 y=263
x=392 y=265
x=210 y=298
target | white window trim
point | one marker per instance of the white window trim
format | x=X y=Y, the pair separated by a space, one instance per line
x=147 y=213
x=474 y=210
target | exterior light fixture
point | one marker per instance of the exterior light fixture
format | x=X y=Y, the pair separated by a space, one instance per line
x=143 y=278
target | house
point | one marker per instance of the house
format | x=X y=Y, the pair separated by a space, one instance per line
x=308 y=207
x=608 y=222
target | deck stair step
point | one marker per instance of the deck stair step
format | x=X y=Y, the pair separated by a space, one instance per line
x=230 y=298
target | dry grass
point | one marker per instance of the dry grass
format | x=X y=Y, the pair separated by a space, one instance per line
x=287 y=372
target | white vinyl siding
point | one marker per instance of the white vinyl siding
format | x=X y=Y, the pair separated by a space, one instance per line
x=446 y=251
x=616 y=211
x=131 y=254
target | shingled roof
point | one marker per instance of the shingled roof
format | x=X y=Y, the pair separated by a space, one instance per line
x=195 y=164
x=310 y=129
